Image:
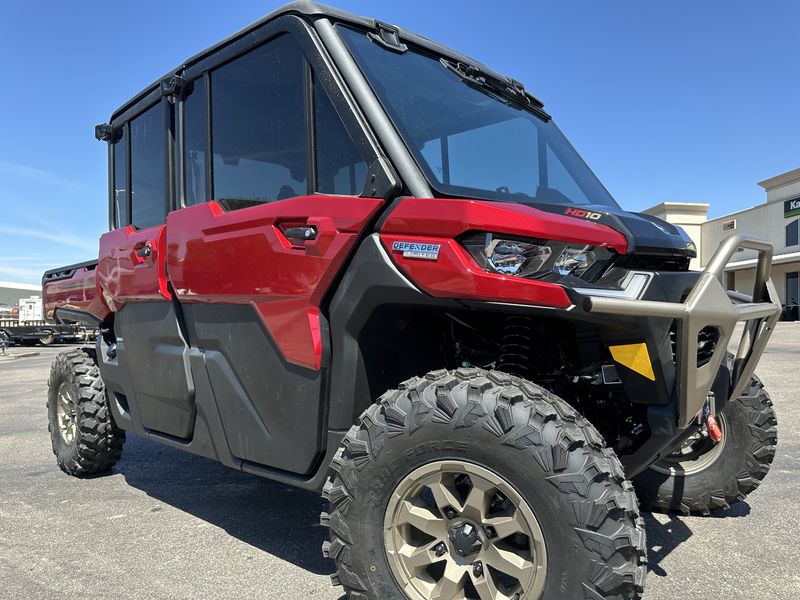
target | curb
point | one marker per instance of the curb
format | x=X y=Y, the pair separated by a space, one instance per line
x=16 y=356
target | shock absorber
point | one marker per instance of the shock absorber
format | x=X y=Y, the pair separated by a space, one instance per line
x=516 y=346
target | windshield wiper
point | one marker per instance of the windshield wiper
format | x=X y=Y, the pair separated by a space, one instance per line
x=505 y=88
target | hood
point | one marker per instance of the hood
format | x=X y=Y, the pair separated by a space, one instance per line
x=645 y=234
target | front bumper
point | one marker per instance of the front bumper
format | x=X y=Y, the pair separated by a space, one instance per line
x=709 y=305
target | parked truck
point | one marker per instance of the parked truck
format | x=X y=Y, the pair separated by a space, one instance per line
x=345 y=257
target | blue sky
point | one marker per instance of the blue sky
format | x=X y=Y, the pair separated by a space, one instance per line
x=684 y=100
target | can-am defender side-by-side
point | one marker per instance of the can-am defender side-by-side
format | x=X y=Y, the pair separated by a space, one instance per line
x=344 y=257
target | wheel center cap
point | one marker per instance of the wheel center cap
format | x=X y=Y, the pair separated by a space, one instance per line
x=465 y=539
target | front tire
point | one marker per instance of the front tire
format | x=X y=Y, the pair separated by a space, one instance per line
x=553 y=516
x=84 y=436
x=716 y=476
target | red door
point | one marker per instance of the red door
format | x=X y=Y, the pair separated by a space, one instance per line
x=131 y=265
x=251 y=283
x=249 y=257
x=150 y=347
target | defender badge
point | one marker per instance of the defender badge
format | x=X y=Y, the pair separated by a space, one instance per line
x=416 y=250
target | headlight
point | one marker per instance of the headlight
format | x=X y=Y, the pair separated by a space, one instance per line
x=515 y=257
x=575 y=260
x=522 y=257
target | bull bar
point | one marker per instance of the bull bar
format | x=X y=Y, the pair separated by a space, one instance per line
x=709 y=305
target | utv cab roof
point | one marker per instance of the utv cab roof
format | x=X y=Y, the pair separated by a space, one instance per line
x=313 y=11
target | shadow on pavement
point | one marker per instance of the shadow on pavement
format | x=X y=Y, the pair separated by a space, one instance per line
x=284 y=521
x=280 y=520
x=663 y=538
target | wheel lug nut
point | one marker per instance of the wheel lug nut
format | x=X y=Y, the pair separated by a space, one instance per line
x=440 y=549
x=490 y=532
x=450 y=512
x=477 y=569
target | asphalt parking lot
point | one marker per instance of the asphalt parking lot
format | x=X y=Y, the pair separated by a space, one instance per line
x=168 y=525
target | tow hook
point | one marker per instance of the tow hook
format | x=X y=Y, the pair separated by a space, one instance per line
x=708 y=419
x=714 y=431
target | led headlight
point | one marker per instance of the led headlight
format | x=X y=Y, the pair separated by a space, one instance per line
x=520 y=257
x=575 y=260
x=515 y=257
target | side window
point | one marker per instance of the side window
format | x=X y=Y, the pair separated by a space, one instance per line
x=121 y=178
x=340 y=168
x=149 y=192
x=792 y=289
x=195 y=140
x=259 y=148
x=793 y=233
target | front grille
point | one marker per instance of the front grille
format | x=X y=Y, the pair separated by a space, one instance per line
x=653 y=262
x=706 y=343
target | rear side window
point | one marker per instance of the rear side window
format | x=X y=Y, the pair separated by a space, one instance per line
x=195 y=127
x=340 y=168
x=121 y=178
x=149 y=180
x=258 y=126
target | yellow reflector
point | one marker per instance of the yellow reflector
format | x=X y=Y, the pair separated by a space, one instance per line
x=635 y=357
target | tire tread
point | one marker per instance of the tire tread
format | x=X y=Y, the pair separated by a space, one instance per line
x=100 y=441
x=521 y=415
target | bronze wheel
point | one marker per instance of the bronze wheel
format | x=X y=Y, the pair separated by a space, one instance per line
x=695 y=455
x=66 y=412
x=455 y=530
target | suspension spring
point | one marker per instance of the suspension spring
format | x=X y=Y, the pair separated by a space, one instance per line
x=517 y=346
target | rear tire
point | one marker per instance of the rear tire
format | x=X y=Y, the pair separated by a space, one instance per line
x=541 y=460
x=84 y=436
x=727 y=472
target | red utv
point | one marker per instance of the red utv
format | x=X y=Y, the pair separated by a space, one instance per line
x=347 y=258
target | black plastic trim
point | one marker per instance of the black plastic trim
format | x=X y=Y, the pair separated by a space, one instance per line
x=66 y=316
x=66 y=272
x=371 y=281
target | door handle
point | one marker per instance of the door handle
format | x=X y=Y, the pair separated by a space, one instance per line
x=306 y=232
x=145 y=251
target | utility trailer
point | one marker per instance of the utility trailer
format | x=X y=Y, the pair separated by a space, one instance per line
x=31 y=328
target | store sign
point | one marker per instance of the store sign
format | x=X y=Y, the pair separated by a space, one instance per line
x=791 y=208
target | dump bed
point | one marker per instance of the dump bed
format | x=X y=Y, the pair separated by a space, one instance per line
x=72 y=287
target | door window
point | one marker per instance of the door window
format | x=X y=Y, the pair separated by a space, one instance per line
x=121 y=178
x=195 y=142
x=340 y=168
x=259 y=142
x=149 y=195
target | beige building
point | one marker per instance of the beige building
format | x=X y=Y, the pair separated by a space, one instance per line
x=777 y=221
x=12 y=293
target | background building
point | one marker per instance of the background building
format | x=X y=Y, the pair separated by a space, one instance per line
x=12 y=293
x=777 y=221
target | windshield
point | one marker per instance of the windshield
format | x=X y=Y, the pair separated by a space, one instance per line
x=469 y=141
